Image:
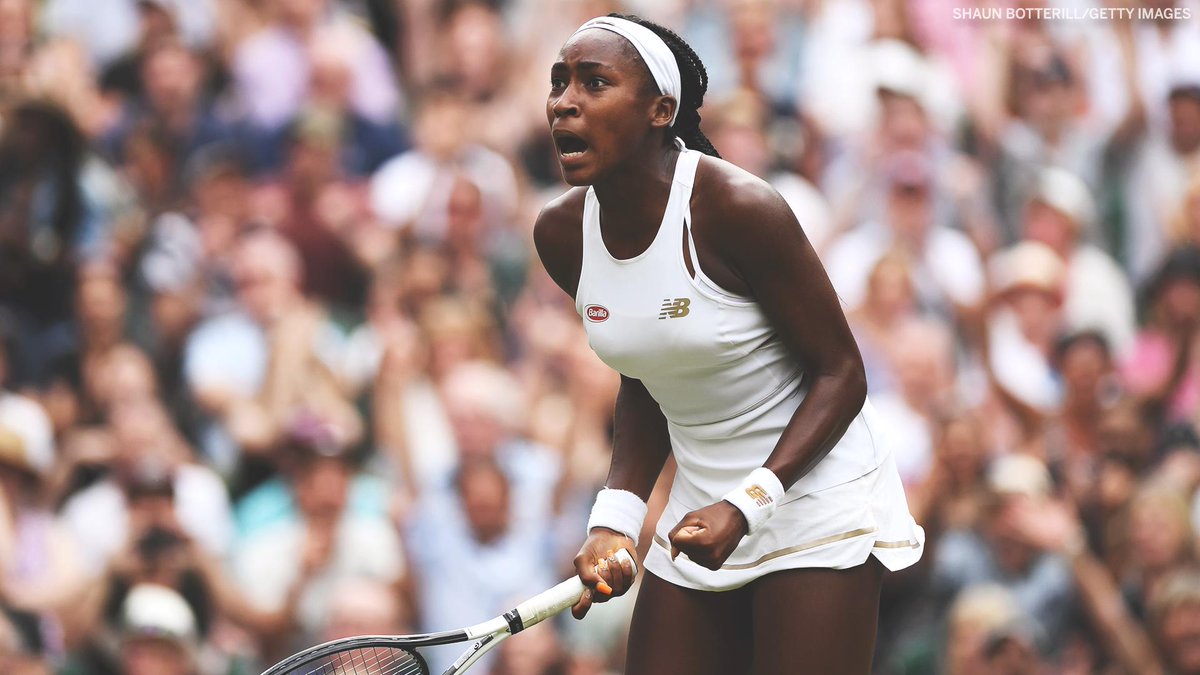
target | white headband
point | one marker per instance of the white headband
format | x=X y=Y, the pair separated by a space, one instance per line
x=654 y=52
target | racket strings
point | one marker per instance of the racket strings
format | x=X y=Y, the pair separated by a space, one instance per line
x=369 y=661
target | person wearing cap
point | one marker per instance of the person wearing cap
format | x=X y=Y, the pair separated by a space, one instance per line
x=156 y=633
x=43 y=570
x=1096 y=293
x=100 y=516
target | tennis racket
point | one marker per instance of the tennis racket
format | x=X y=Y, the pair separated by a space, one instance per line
x=399 y=655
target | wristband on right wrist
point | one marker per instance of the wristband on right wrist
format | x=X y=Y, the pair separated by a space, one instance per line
x=618 y=510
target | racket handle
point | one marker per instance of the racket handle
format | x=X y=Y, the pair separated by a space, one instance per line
x=548 y=603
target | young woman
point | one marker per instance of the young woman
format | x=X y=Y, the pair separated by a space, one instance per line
x=695 y=281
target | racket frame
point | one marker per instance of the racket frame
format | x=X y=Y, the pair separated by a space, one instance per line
x=487 y=635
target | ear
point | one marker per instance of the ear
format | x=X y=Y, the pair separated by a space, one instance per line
x=663 y=111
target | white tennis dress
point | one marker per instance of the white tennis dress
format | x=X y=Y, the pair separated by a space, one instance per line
x=728 y=386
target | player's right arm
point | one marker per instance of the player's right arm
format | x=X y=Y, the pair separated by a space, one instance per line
x=640 y=449
x=558 y=236
x=640 y=440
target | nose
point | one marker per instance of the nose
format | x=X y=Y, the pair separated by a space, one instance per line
x=564 y=105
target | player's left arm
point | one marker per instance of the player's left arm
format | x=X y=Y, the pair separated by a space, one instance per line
x=765 y=246
x=762 y=247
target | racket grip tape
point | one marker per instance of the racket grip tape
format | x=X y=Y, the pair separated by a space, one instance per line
x=548 y=603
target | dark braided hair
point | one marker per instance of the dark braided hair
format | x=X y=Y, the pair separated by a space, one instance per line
x=694 y=80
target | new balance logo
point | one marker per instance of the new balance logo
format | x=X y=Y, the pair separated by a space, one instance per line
x=759 y=495
x=674 y=309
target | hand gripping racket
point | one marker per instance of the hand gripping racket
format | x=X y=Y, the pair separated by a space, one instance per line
x=398 y=655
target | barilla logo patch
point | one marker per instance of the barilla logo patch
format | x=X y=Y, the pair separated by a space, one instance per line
x=595 y=313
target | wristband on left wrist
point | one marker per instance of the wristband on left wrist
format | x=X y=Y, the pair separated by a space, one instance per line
x=757 y=497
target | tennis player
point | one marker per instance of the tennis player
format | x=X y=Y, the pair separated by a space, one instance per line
x=695 y=281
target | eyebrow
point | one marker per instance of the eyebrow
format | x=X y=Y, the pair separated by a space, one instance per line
x=585 y=65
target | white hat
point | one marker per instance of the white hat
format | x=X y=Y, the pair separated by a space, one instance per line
x=1027 y=265
x=154 y=611
x=900 y=68
x=1066 y=193
x=26 y=418
x=1019 y=474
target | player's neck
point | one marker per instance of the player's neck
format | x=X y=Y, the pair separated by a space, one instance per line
x=635 y=194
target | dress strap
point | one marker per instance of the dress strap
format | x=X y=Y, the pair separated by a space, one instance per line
x=685 y=171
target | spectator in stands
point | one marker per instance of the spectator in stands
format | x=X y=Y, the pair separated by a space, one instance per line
x=1174 y=618
x=738 y=127
x=42 y=240
x=1157 y=169
x=146 y=442
x=946 y=270
x=173 y=111
x=922 y=361
x=298 y=562
x=361 y=606
x=272 y=68
x=412 y=192
x=1160 y=366
x=888 y=303
x=476 y=550
x=1096 y=294
x=1090 y=386
x=1001 y=550
x=158 y=634
x=1024 y=324
x=21 y=651
x=250 y=369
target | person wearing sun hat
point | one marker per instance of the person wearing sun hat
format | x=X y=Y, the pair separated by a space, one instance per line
x=38 y=558
x=1024 y=321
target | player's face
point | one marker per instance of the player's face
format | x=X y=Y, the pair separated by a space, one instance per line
x=601 y=104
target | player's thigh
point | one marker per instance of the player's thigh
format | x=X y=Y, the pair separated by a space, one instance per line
x=680 y=630
x=818 y=621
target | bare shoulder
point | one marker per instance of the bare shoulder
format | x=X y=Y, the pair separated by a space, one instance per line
x=558 y=236
x=735 y=208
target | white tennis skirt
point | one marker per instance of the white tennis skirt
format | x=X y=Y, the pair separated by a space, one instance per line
x=837 y=527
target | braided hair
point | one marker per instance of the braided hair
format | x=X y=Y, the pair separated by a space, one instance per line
x=694 y=79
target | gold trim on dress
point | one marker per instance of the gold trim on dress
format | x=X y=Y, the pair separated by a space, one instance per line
x=897 y=544
x=805 y=546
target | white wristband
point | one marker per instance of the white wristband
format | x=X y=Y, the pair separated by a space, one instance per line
x=618 y=510
x=757 y=497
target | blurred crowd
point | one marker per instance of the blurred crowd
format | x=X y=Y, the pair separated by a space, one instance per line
x=278 y=363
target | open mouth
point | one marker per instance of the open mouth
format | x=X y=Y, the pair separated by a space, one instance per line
x=570 y=146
